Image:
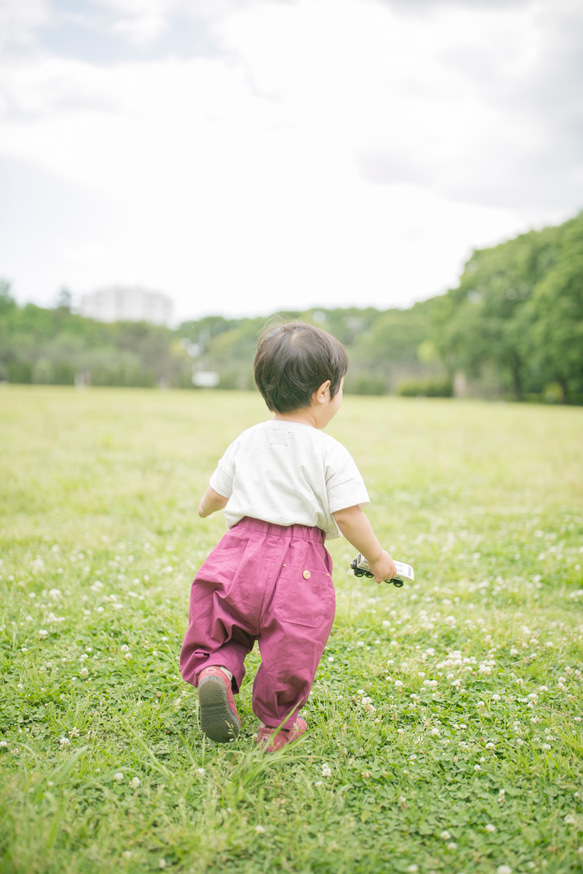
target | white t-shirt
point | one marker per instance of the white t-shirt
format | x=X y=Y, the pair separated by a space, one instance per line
x=289 y=474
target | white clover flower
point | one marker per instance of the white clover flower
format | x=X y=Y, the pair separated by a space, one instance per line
x=569 y=819
x=477 y=768
x=259 y=829
x=64 y=741
x=74 y=732
x=200 y=771
x=326 y=772
x=55 y=594
x=162 y=863
x=124 y=647
x=503 y=869
x=135 y=782
x=83 y=672
x=490 y=828
x=445 y=836
x=118 y=777
x=413 y=869
x=127 y=656
x=43 y=633
x=452 y=845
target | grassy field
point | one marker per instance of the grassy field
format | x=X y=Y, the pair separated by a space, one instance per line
x=446 y=719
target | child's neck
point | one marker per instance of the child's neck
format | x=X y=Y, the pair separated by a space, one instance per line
x=305 y=416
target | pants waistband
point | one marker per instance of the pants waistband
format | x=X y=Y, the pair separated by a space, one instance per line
x=299 y=532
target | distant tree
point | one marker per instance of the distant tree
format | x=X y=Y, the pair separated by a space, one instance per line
x=396 y=335
x=64 y=300
x=557 y=314
x=489 y=318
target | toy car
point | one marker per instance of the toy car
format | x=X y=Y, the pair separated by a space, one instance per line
x=405 y=572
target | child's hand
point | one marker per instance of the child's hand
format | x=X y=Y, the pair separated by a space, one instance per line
x=383 y=568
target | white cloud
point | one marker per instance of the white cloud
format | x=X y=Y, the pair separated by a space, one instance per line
x=326 y=152
x=19 y=20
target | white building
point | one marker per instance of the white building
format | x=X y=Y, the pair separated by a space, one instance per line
x=127 y=305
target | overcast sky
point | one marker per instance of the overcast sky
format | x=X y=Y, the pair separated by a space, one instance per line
x=245 y=156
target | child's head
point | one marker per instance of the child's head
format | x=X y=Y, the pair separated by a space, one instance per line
x=293 y=361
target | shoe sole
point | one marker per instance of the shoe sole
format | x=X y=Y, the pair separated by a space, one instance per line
x=217 y=720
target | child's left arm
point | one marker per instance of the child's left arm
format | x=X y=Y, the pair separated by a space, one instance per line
x=358 y=531
x=210 y=502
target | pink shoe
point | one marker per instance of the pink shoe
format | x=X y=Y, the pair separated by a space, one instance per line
x=218 y=715
x=273 y=739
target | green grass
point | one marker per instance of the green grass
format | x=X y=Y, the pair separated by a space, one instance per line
x=445 y=722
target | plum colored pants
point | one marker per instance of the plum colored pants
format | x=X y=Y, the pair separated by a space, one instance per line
x=270 y=584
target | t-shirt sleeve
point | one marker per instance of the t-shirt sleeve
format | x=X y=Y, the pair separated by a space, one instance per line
x=222 y=479
x=344 y=481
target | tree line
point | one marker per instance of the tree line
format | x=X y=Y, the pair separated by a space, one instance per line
x=513 y=327
x=515 y=321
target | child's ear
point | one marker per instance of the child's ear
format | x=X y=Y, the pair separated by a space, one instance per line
x=321 y=394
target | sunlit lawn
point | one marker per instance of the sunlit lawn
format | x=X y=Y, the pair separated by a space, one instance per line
x=446 y=721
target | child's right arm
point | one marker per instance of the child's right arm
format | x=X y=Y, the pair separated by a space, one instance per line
x=358 y=531
x=210 y=502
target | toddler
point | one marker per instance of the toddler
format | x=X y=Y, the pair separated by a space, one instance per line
x=286 y=487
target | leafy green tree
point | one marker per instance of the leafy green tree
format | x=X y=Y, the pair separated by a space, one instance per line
x=7 y=302
x=64 y=300
x=488 y=319
x=557 y=313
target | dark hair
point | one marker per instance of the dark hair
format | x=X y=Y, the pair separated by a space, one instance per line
x=292 y=362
